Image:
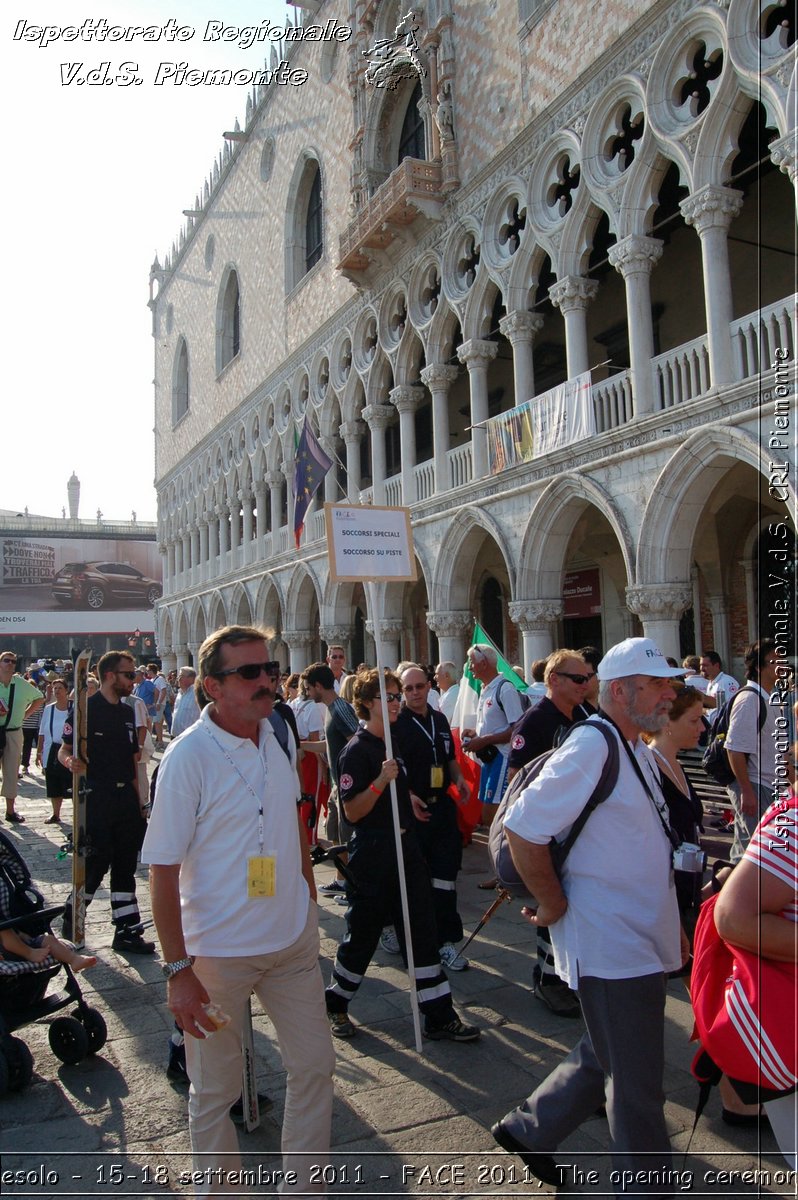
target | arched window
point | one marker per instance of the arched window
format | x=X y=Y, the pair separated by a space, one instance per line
x=304 y=226
x=228 y=329
x=180 y=383
x=313 y=228
x=411 y=139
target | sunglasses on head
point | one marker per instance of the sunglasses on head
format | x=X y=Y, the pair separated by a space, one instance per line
x=250 y=671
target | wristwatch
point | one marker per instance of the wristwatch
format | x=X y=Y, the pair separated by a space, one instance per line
x=172 y=968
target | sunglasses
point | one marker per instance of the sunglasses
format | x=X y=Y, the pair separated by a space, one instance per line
x=127 y=674
x=396 y=696
x=580 y=679
x=250 y=671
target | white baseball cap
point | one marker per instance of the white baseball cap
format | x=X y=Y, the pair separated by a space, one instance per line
x=636 y=656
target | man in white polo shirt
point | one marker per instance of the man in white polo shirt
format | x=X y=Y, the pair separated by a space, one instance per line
x=720 y=686
x=234 y=904
x=614 y=925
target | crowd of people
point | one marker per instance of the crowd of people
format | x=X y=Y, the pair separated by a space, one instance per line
x=260 y=762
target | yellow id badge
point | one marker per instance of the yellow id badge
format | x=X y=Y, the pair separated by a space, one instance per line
x=261 y=872
x=436 y=778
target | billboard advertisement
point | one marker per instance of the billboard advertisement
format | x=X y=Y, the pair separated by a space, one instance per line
x=77 y=585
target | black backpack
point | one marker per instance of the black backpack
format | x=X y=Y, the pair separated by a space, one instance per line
x=526 y=701
x=506 y=872
x=716 y=759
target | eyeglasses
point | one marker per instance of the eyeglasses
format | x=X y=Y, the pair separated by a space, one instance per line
x=8 y=662
x=580 y=679
x=250 y=671
x=127 y=674
x=393 y=696
x=415 y=687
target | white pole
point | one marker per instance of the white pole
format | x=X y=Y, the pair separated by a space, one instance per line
x=372 y=595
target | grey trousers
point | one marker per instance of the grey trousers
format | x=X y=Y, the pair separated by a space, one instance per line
x=620 y=1060
x=744 y=823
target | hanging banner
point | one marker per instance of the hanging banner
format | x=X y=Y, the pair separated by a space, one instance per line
x=366 y=542
x=556 y=418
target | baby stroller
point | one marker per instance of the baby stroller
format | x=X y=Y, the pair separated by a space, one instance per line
x=23 y=985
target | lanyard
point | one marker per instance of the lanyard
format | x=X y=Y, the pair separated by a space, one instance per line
x=660 y=809
x=246 y=783
x=430 y=736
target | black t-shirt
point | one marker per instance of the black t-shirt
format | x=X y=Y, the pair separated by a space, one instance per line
x=112 y=743
x=537 y=731
x=337 y=733
x=425 y=741
x=359 y=765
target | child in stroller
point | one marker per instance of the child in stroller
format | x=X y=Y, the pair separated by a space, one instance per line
x=30 y=957
x=37 y=949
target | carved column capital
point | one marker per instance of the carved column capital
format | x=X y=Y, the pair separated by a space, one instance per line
x=389 y=629
x=296 y=639
x=535 y=616
x=273 y=478
x=450 y=624
x=336 y=635
x=406 y=398
x=259 y=487
x=711 y=206
x=659 y=601
x=784 y=154
x=521 y=326
x=378 y=416
x=439 y=377
x=634 y=254
x=352 y=431
x=477 y=353
x=572 y=292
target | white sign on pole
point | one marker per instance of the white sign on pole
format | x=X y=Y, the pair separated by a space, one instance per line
x=369 y=543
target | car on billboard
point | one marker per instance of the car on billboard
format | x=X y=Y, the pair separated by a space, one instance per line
x=96 y=584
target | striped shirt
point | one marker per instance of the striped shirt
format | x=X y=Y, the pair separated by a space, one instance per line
x=774 y=847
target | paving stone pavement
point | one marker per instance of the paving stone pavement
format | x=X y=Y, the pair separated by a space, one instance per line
x=403 y=1123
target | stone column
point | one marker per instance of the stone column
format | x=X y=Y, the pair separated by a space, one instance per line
x=784 y=154
x=223 y=513
x=274 y=482
x=352 y=432
x=477 y=355
x=193 y=649
x=245 y=497
x=165 y=550
x=391 y=631
x=187 y=562
x=331 y=478
x=659 y=606
x=259 y=489
x=451 y=629
x=204 y=565
x=168 y=661
x=711 y=210
x=213 y=545
x=181 y=655
x=719 y=608
x=298 y=642
x=519 y=328
x=439 y=377
x=235 y=529
x=537 y=620
x=339 y=635
x=635 y=258
x=378 y=418
x=571 y=295
x=406 y=400
x=194 y=535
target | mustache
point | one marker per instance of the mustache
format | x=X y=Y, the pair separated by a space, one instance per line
x=263 y=694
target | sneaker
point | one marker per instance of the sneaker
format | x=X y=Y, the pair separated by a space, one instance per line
x=176 y=1067
x=131 y=941
x=542 y=1166
x=237 y=1109
x=333 y=887
x=452 y=1031
x=389 y=941
x=340 y=1025
x=451 y=958
x=342 y=900
x=558 y=997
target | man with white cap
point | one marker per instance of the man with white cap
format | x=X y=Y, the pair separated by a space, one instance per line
x=614 y=925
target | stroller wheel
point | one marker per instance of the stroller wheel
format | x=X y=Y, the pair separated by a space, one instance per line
x=69 y=1041
x=20 y=1064
x=94 y=1024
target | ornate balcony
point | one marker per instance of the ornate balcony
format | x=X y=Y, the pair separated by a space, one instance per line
x=413 y=190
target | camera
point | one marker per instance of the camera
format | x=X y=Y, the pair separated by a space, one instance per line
x=690 y=858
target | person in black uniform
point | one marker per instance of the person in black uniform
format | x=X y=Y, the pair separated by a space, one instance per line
x=425 y=740
x=363 y=778
x=114 y=822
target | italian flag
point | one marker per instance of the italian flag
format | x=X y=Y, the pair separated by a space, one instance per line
x=464 y=717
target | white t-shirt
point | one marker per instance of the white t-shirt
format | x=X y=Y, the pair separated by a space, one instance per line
x=622 y=919
x=52 y=733
x=309 y=718
x=493 y=717
x=448 y=701
x=745 y=735
x=186 y=711
x=205 y=817
x=697 y=681
x=721 y=683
